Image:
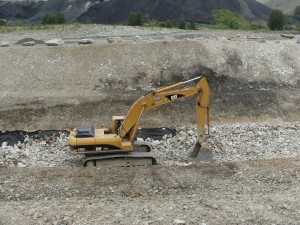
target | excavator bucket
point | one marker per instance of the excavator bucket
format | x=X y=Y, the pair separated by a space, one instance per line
x=201 y=153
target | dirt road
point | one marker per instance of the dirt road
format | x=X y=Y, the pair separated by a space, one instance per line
x=251 y=192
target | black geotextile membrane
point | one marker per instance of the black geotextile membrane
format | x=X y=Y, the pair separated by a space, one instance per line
x=13 y=137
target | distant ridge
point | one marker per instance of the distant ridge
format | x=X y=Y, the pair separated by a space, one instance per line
x=287 y=6
x=117 y=11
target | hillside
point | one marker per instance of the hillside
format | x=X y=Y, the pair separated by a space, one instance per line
x=287 y=6
x=19 y=9
x=117 y=11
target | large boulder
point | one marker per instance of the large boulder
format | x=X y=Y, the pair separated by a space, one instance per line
x=86 y=41
x=29 y=40
x=4 y=44
x=55 y=42
x=29 y=43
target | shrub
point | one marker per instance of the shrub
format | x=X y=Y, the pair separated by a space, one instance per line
x=258 y=26
x=297 y=13
x=151 y=23
x=191 y=26
x=168 y=24
x=230 y=19
x=2 y=22
x=289 y=27
x=161 y=24
x=276 y=20
x=58 y=18
x=182 y=23
x=135 y=19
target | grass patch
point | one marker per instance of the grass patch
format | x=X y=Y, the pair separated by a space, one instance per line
x=64 y=27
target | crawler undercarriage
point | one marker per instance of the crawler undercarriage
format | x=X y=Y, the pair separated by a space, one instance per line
x=140 y=156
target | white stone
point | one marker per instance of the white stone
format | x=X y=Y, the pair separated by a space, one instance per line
x=29 y=43
x=20 y=164
x=146 y=210
x=55 y=42
x=4 y=144
x=86 y=41
x=114 y=39
x=178 y=221
x=4 y=44
x=137 y=38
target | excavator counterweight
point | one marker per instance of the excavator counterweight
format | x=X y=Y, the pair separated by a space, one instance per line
x=116 y=146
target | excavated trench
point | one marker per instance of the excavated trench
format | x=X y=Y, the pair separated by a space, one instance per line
x=231 y=101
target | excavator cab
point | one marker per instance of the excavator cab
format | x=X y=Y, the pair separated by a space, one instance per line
x=85 y=132
x=116 y=123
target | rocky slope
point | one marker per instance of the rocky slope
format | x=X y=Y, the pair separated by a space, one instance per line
x=11 y=11
x=117 y=11
x=287 y=6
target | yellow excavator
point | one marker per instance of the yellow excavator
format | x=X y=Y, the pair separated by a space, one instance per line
x=116 y=146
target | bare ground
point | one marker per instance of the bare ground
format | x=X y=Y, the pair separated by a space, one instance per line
x=251 y=192
x=251 y=80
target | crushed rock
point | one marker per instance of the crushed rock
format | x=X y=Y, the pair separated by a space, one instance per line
x=229 y=142
x=233 y=142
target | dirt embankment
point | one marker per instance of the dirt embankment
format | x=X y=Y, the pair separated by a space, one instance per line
x=251 y=79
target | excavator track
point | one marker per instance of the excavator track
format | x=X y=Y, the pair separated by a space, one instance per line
x=130 y=159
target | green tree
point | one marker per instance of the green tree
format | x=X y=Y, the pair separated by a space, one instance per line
x=297 y=13
x=60 y=18
x=2 y=22
x=168 y=24
x=229 y=19
x=191 y=26
x=135 y=19
x=276 y=20
x=182 y=23
x=49 y=18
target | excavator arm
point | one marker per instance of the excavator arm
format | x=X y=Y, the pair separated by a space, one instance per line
x=166 y=95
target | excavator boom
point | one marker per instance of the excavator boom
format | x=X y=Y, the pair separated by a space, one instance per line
x=167 y=95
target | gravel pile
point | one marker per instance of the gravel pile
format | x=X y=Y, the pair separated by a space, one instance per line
x=233 y=142
x=48 y=152
x=229 y=142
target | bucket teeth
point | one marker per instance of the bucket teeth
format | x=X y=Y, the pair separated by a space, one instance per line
x=196 y=150
x=201 y=153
